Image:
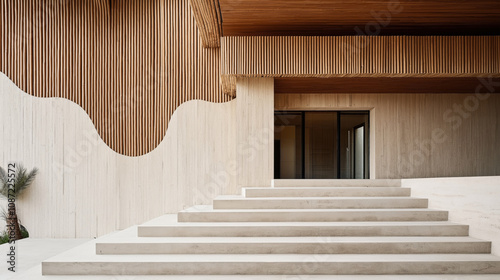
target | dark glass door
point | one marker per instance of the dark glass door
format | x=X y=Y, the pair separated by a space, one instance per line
x=321 y=145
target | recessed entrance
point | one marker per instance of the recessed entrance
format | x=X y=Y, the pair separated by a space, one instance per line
x=321 y=145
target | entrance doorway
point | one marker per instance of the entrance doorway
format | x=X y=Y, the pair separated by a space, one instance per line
x=321 y=145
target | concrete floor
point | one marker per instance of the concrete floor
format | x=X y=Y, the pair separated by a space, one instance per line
x=31 y=252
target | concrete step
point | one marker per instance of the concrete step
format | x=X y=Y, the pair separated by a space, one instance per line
x=335 y=183
x=207 y=214
x=122 y=253
x=304 y=229
x=326 y=192
x=293 y=245
x=272 y=264
x=240 y=202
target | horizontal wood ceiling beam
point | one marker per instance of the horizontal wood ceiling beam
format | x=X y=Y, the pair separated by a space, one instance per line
x=358 y=56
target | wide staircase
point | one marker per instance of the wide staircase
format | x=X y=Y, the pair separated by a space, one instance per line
x=296 y=227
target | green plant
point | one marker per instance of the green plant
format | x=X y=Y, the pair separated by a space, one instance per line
x=23 y=179
x=4 y=238
x=24 y=232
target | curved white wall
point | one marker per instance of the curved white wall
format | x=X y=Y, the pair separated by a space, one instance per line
x=85 y=189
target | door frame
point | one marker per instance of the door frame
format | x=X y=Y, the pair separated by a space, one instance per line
x=368 y=129
x=365 y=146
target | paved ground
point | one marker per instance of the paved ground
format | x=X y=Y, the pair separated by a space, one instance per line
x=31 y=252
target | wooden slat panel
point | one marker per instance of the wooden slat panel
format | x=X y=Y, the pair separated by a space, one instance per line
x=129 y=64
x=357 y=56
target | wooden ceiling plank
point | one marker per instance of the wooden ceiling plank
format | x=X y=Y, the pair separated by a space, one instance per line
x=336 y=17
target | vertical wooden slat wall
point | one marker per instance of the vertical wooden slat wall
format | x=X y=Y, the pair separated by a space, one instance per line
x=385 y=56
x=128 y=64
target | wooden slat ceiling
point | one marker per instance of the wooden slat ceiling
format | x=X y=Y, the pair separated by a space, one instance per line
x=365 y=17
